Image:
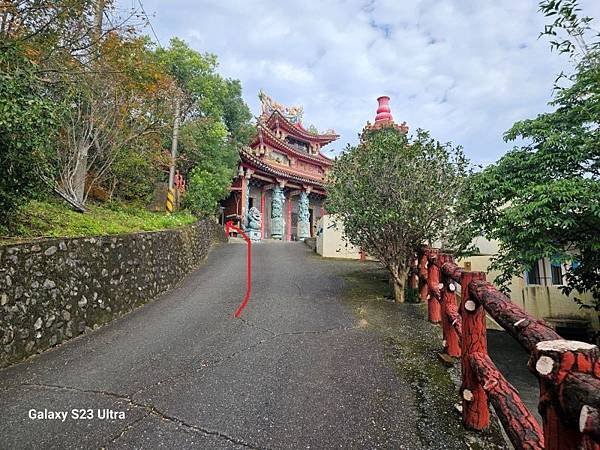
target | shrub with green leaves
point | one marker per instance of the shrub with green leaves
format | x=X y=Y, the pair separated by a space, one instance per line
x=206 y=188
x=395 y=193
x=27 y=127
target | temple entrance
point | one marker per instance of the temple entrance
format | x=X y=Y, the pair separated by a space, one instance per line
x=294 y=234
x=279 y=187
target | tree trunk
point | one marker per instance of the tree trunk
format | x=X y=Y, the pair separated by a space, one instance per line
x=398 y=278
x=81 y=169
x=80 y=173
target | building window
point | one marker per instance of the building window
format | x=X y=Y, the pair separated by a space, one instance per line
x=557 y=273
x=533 y=275
x=297 y=144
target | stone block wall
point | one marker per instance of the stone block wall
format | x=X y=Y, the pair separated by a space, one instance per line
x=54 y=289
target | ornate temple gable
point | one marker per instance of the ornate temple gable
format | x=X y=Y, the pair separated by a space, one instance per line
x=284 y=147
x=261 y=166
x=278 y=158
x=268 y=106
x=277 y=122
x=267 y=138
x=287 y=121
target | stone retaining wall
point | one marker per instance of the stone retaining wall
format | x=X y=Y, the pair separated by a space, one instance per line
x=54 y=289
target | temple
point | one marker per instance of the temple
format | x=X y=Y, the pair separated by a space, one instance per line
x=280 y=186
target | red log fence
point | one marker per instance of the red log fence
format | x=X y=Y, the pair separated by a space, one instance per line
x=568 y=371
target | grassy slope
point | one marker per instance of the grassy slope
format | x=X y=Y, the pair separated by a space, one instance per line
x=55 y=219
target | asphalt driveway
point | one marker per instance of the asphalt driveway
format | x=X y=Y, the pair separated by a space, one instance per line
x=297 y=371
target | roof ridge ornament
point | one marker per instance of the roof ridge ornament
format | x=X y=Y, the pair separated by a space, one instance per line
x=292 y=113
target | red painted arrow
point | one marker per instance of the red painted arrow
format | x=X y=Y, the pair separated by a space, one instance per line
x=229 y=226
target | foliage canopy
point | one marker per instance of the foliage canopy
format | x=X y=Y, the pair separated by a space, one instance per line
x=395 y=194
x=542 y=199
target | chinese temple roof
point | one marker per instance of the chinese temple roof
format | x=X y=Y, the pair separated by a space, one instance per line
x=297 y=129
x=281 y=171
x=266 y=135
x=282 y=147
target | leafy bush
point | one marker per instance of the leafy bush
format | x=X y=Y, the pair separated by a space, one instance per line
x=206 y=188
x=27 y=120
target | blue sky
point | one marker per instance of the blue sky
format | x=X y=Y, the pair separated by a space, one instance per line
x=463 y=69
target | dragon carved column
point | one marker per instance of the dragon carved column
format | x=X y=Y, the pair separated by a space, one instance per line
x=277 y=220
x=303 y=217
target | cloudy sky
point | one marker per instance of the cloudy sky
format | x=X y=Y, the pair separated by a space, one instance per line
x=463 y=69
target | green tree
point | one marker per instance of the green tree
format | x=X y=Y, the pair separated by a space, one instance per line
x=204 y=143
x=542 y=199
x=206 y=188
x=27 y=129
x=395 y=194
x=236 y=114
x=215 y=122
x=114 y=109
x=210 y=159
x=205 y=92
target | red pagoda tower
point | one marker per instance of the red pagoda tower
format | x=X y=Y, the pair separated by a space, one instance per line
x=281 y=175
x=384 y=117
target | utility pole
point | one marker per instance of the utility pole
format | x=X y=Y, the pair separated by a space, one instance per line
x=98 y=17
x=174 y=142
x=171 y=191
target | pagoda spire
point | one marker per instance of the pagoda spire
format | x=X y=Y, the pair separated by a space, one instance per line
x=384 y=112
x=384 y=116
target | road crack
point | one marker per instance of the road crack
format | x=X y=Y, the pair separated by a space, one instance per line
x=151 y=410
x=253 y=325
x=127 y=428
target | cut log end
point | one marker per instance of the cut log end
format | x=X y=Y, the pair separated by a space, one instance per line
x=544 y=365
x=563 y=345
x=468 y=395
x=588 y=418
x=470 y=305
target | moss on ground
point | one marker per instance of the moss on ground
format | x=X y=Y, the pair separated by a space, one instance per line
x=412 y=346
x=56 y=219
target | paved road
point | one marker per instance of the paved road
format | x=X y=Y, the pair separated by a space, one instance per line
x=296 y=373
x=511 y=359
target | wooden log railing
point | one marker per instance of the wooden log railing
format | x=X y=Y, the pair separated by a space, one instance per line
x=568 y=371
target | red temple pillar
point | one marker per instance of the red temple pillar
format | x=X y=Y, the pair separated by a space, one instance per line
x=288 y=226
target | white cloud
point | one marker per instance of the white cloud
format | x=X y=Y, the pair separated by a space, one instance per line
x=464 y=70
